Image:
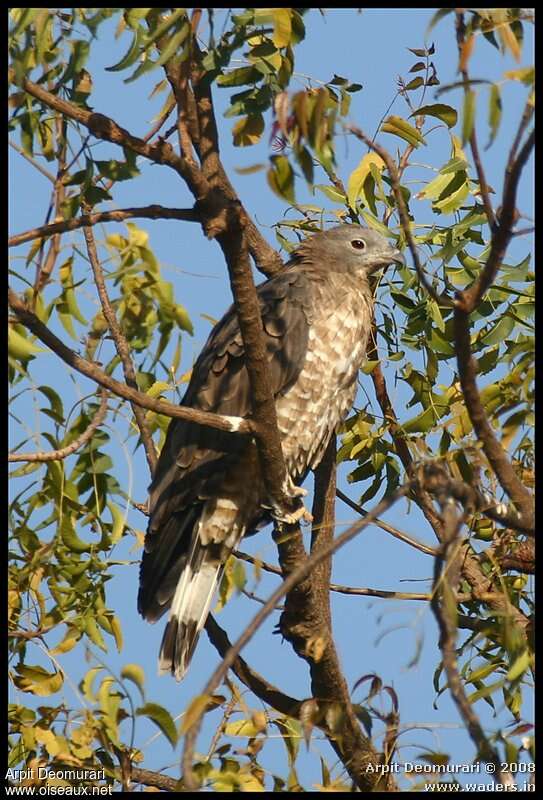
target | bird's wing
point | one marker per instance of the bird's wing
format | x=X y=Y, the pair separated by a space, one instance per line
x=195 y=459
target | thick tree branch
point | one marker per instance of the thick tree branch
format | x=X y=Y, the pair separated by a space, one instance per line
x=264 y=690
x=234 y=247
x=146 y=212
x=447 y=573
x=103 y=127
x=495 y=453
x=121 y=345
x=266 y=258
x=92 y=371
x=64 y=452
x=292 y=580
x=146 y=777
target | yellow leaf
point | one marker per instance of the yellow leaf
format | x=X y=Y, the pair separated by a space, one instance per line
x=359 y=175
x=194 y=712
x=509 y=41
x=242 y=727
x=248 y=130
x=282 y=26
x=20 y=347
x=48 y=739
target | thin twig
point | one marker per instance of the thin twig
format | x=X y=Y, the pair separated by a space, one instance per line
x=441 y=299
x=121 y=346
x=403 y=537
x=483 y=185
x=92 y=371
x=492 y=447
x=35 y=164
x=447 y=573
x=146 y=212
x=64 y=452
x=469 y=298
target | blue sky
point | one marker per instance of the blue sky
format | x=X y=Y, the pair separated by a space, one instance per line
x=395 y=639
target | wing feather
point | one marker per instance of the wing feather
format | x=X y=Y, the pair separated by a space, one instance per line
x=194 y=460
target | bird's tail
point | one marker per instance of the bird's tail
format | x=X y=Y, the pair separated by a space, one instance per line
x=194 y=594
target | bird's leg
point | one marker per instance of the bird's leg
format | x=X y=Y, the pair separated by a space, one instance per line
x=291 y=516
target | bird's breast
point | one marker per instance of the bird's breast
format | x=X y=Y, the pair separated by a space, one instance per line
x=324 y=392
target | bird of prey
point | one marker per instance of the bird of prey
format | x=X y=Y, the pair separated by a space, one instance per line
x=207 y=491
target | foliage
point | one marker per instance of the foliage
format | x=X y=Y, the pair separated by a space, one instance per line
x=67 y=516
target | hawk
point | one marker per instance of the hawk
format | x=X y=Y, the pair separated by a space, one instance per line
x=207 y=491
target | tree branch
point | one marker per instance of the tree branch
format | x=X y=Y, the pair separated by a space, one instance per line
x=441 y=299
x=146 y=212
x=403 y=537
x=447 y=572
x=121 y=345
x=92 y=371
x=468 y=299
x=64 y=452
x=103 y=127
x=294 y=578
x=496 y=455
x=483 y=185
x=385 y=594
x=273 y=470
x=264 y=690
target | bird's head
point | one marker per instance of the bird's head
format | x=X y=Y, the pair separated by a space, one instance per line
x=349 y=248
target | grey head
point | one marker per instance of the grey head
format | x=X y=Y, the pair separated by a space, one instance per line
x=348 y=248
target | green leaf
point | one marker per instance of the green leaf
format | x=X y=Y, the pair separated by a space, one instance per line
x=239 y=77
x=519 y=666
x=440 y=13
x=468 y=115
x=131 y=54
x=414 y=84
x=498 y=332
x=242 y=727
x=494 y=112
x=20 y=347
x=248 y=130
x=70 y=537
x=422 y=423
x=435 y=188
x=173 y=46
x=281 y=178
x=451 y=202
x=399 y=127
x=35 y=679
x=446 y=114
x=483 y=693
x=194 y=711
x=282 y=26
x=331 y=193
x=162 y=720
x=135 y=674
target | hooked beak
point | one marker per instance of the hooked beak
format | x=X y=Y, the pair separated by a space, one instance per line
x=389 y=256
x=397 y=257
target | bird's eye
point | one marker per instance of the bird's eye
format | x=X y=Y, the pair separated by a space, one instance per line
x=358 y=244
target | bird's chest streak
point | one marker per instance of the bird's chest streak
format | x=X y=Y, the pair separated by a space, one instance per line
x=321 y=398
